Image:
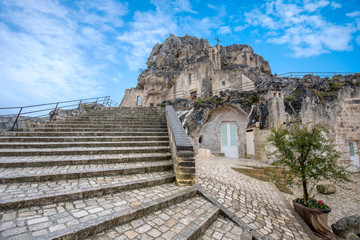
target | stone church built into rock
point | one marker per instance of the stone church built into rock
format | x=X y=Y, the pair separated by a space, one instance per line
x=228 y=99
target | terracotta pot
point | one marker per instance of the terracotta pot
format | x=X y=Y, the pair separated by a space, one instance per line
x=316 y=219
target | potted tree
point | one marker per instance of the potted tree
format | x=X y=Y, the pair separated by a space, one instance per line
x=310 y=157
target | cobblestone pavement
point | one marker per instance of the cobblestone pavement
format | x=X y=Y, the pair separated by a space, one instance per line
x=33 y=222
x=222 y=228
x=259 y=204
x=39 y=189
x=344 y=203
x=168 y=223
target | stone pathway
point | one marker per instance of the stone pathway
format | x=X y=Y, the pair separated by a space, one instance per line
x=169 y=223
x=344 y=203
x=259 y=204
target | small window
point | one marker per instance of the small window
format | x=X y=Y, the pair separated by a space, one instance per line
x=200 y=139
x=151 y=104
x=138 y=101
x=193 y=95
x=190 y=78
x=223 y=83
x=352 y=149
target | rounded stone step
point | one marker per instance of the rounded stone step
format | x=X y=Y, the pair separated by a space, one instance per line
x=82 y=138
x=100 y=129
x=81 y=150
x=97 y=133
x=24 y=145
x=51 y=173
x=184 y=220
x=35 y=161
x=16 y=195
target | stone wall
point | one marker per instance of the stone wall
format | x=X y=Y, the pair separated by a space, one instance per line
x=347 y=128
x=209 y=136
x=181 y=150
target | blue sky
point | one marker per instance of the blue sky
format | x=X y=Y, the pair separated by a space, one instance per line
x=60 y=50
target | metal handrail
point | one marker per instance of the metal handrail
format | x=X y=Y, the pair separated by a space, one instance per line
x=300 y=74
x=106 y=101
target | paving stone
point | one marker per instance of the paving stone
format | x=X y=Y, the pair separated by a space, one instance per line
x=258 y=199
x=147 y=227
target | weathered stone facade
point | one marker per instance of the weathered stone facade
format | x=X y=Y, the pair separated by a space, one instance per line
x=187 y=67
x=238 y=100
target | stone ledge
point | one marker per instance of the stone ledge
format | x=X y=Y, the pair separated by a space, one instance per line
x=182 y=150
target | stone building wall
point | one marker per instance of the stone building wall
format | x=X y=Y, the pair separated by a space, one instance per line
x=347 y=128
x=187 y=67
x=209 y=136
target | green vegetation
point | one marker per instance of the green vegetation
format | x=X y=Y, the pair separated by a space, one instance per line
x=308 y=154
x=334 y=85
x=289 y=99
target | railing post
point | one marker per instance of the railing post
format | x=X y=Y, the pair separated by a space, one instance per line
x=78 y=107
x=96 y=102
x=52 y=115
x=16 y=121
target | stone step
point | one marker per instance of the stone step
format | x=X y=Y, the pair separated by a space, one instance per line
x=146 y=118
x=83 y=139
x=52 y=173
x=104 y=125
x=23 y=145
x=35 y=161
x=97 y=133
x=224 y=228
x=80 y=219
x=81 y=150
x=17 y=195
x=123 y=115
x=184 y=220
x=136 y=122
x=99 y=129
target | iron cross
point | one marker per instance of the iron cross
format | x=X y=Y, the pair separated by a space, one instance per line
x=217 y=39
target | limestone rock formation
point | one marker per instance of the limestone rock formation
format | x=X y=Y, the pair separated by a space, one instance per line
x=348 y=227
x=188 y=67
x=228 y=100
x=333 y=103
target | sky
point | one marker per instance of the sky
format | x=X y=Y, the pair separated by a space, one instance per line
x=55 y=50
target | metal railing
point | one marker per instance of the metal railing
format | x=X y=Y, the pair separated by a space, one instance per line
x=242 y=87
x=321 y=74
x=31 y=111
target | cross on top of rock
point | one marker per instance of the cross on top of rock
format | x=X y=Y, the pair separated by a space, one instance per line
x=217 y=40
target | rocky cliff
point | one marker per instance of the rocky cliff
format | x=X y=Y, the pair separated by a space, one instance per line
x=187 y=64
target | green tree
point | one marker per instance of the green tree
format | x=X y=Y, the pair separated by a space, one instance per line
x=309 y=155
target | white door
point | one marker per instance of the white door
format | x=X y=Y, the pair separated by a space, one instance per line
x=250 y=148
x=229 y=140
x=354 y=155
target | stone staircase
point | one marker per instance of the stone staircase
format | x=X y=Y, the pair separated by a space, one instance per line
x=102 y=175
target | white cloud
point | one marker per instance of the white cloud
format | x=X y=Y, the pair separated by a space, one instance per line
x=224 y=30
x=314 y=6
x=239 y=28
x=358 y=40
x=297 y=25
x=353 y=14
x=47 y=54
x=183 y=5
x=335 y=5
x=211 y=6
x=151 y=27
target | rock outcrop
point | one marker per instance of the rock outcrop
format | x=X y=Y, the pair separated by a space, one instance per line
x=183 y=66
x=227 y=98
